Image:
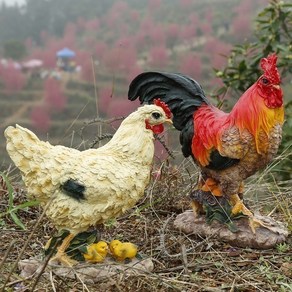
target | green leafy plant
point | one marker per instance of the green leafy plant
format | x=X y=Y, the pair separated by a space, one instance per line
x=11 y=208
x=272 y=34
x=282 y=247
x=78 y=246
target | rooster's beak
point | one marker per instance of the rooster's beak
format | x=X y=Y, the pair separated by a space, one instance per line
x=169 y=121
x=277 y=86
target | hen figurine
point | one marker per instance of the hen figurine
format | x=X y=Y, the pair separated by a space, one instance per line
x=85 y=188
x=228 y=147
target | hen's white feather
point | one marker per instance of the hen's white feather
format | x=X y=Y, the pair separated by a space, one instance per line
x=114 y=175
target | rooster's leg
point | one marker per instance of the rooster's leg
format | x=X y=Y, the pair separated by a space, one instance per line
x=197 y=208
x=238 y=206
x=211 y=185
x=61 y=255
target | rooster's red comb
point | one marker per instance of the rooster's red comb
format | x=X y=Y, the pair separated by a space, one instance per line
x=164 y=106
x=269 y=67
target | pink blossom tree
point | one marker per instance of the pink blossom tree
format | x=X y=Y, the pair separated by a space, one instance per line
x=157 y=35
x=191 y=65
x=241 y=25
x=158 y=56
x=40 y=118
x=120 y=59
x=12 y=77
x=172 y=34
x=154 y=5
x=104 y=99
x=54 y=96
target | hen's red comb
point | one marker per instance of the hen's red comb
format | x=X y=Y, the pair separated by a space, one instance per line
x=269 y=67
x=164 y=106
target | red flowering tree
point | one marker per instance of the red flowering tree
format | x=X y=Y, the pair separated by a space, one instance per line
x=120 y=59
x=54 y=96
x=133 y=72
x=12 y=77
x=84 y=60
x=104 y=99
x=69 y=36
x=191 y=65
x=80 y=25
x=154 y=5
x=185 y=3
x=172 y=34
x=100 y=49
x=242 y=22
x=135 y=16
x=157 y=35
x=188 y=33
x=217 y=50
x=119 y=106
x=158 y=56
x=92 y=25
x=40 y=118
x=114 y=106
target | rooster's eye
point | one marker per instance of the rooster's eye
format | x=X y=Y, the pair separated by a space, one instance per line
x=156 y=115
x=265 y=81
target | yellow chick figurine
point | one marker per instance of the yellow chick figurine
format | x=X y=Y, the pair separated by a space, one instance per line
x=96 y=252
x=123 y=250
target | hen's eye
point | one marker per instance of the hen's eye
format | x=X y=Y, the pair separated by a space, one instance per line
x=156 y=115
x=265 y=81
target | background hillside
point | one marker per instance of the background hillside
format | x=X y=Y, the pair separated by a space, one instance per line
x=113 y=41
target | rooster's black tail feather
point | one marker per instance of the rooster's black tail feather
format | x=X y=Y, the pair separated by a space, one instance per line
x=182 y=94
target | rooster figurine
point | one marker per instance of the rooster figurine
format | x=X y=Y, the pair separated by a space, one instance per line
x=80 y=189
x=228 y=147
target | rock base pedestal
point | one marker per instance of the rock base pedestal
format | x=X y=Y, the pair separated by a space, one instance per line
x=88 y=273
x=263 y=238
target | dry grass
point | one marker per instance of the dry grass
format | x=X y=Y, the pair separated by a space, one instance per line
x=182 y=262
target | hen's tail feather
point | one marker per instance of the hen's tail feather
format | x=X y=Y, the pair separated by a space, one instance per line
x=20 y=143
x=182 y=94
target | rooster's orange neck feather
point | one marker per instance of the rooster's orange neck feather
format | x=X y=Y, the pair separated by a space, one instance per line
x=252 y=114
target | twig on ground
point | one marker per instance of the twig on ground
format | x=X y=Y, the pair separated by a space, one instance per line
x=7 y=252
x=45 y=264
x=26 y=244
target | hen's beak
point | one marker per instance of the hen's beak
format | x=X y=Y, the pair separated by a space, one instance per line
x=169 y=121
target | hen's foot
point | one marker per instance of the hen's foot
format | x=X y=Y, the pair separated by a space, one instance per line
x=61 y=256
x=211 y=186
x=63 y=259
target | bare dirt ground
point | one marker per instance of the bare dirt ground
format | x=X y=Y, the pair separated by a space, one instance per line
x=181 y=262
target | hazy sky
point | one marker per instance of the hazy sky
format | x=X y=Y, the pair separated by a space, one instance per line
x=12 y=2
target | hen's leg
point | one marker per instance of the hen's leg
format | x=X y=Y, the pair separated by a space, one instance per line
x=61 y=255
x=238 y=206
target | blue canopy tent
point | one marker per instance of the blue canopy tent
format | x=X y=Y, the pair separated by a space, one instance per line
x=65 y=53
x=65 y=60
